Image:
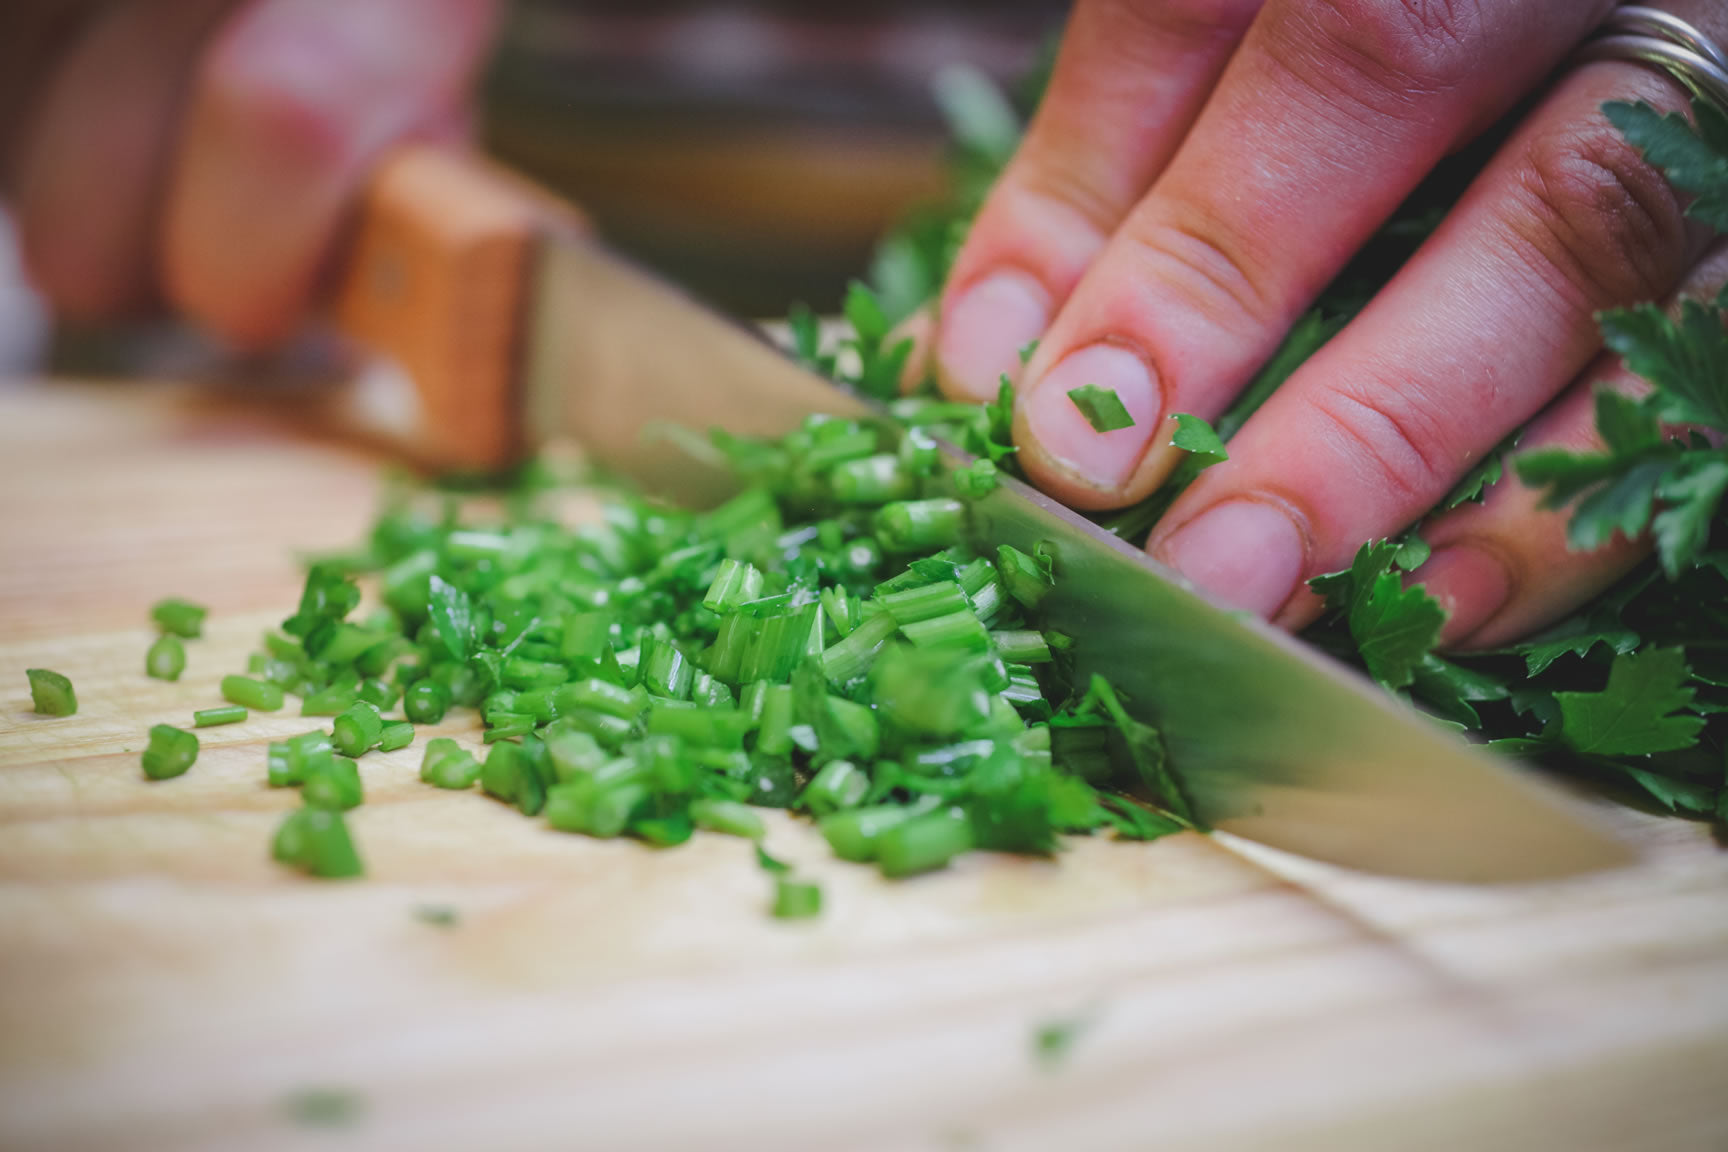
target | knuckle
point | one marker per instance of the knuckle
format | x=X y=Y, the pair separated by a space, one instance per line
x=1207 y=267
x=1605 y=225
x=1383 y=54
x=1394 y=440
x=1047 y=194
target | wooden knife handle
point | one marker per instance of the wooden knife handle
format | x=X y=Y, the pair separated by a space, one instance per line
x=438 y=281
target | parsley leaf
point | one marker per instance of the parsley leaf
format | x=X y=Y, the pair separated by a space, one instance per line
x=1394 y=627
x=1639 y=712
x=1694 y=160
x=1196 y=437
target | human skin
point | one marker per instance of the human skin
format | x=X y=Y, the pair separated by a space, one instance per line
x=204 y=154
x=1200 y=169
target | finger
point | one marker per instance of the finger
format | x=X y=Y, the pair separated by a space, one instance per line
x=1131 y=76
x=292 y=104
x=1503 y=568
x=89 y=174
x=1327 y=117
x=1493 y=317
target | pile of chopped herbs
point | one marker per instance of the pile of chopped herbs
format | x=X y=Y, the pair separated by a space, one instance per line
x=826 y=641
x=1631 y=691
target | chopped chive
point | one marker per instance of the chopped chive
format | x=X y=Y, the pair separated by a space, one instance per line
x=332 y=782
x=735 y=583
x=170 y=753
x=357 y=729
x=180 y=617
x=226 y=714
x=316 y=841
x=1102 y=408
x=426 y=701
x=917 y=604
x=258 y=695
x=394 y=736
x=918 y=525
x=379 y=693
x=51 y=694
x=166 y=658
x=853 y=656
x=446 y=764
x=796 y=899
x=332 y=701
x=839 y=785
x=853 y=834
x=923 y=843
x=593 y=807
x=1021 y=647
x=959 y=630
x=727 y=816
x=876 y=479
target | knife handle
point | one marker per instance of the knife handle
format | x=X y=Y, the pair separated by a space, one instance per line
x=438 y=281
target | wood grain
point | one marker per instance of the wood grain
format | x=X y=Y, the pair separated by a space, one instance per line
x=163 y=985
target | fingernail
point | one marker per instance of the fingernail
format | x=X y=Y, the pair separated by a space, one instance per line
x=1471 y=584
x=1246 y=554
x=1102 y=459
x=984 y=330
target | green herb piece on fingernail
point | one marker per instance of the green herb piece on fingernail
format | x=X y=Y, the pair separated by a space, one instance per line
x=1102 y=408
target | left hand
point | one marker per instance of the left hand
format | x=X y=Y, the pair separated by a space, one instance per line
x=1198 y=172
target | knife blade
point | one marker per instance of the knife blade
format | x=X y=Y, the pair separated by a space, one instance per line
x=1272 y=740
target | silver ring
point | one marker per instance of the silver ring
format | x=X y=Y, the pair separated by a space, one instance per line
x=1650 y=36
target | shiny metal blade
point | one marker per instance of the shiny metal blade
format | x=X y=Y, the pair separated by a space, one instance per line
x=1272 y=740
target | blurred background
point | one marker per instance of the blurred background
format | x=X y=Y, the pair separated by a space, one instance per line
x=752 y=150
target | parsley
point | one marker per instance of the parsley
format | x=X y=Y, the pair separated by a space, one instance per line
x=1642 y=709
x=1394 y=627
x=1196 y=437
x=1102 y=408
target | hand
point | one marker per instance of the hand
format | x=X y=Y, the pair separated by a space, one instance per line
x=203 y=153
x=1200 y=169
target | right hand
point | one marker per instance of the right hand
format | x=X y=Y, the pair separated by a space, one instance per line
x=204 y=154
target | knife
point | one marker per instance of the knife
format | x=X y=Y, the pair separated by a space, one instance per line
x=508 y=324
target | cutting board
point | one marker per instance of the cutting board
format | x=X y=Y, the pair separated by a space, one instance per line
x=163 y=985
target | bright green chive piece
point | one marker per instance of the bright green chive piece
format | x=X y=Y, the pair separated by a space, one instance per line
x=181 y=617
x=925 y=603
x=332 y=782
x=258 y=695
x=166 y=658
x=316 y=841
x=728 y=817
x=961 y=630
x=170 y=753
x=379 y=693
x=356 y=730
x=394 y=736
x=594 y=807
x=839 y=785
x=920 y=525
x=1021 y=647
x=446 y=764
x=226 y=714
x=872 y=480
x=923 y=843
x=330 y=701
x=796 y=899
x=853 y=834
x=1102 y=408
x=51 y=694
x=852 y=657
x=426 y=701
x=736 y=582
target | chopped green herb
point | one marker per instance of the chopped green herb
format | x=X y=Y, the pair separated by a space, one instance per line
x=324 y=1107
x=258 y=695
x=1054 y=1039
x=394 y=736
x=51 y=694
x=226 y=714
x=796 y=899
x=437 y=915
x=170 y=753
x=179 y=617
x=316 y=841
x=1102 y=408
x=166 y=658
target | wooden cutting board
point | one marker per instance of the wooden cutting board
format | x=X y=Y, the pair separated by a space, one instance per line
x=164 y=986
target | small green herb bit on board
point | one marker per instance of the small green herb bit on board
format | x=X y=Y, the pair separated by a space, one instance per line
x=179 y=617
x=1102 y=408
x=170 y=753
x=51 y=694
x=166 y=658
